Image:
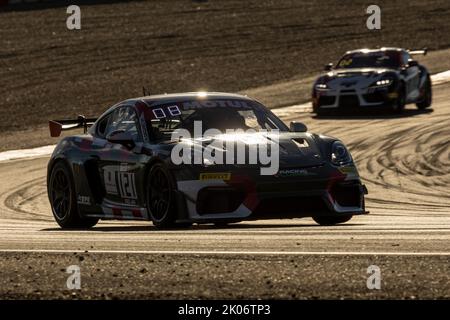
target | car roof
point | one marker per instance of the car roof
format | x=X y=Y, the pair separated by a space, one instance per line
x=154 y=100
x=366 y=50
x=177 y=97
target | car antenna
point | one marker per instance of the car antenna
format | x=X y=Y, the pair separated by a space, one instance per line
x=144 y=90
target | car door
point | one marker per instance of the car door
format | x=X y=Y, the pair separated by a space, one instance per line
x=412 y=78
x=119 y=164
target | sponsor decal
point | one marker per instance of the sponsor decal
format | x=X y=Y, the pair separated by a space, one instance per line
x=294 y=173
x=168 y=111
x=215 y=103
x=109 y=176
x=127 y=185
x=86 y=200
x=120 y=182
x=216 y=176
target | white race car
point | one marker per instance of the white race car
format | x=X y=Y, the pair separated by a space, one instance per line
x=373 y=78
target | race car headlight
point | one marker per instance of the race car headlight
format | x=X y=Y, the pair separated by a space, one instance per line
x=339 y=154
x=321 y=83
x=383 y=82
x=322 y=86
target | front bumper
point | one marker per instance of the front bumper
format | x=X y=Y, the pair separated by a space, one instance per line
x=351 y=98
x=243 y=199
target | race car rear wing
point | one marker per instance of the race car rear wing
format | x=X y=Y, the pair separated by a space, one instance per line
x=56 y=126
x=413 y=52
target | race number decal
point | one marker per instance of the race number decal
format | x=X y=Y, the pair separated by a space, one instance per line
x=127 y=185
x=109 y=175
x=174 y=110
x=119 y=182
x=171 y=111
x=159 y=113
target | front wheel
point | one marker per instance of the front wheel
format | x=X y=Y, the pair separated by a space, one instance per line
x=61 y=192
x=161 y=197
x=427 y=96
x=399 y=104
x=331 y=220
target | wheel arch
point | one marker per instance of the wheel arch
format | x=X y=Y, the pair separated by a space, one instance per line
x=63 y=159
x=182 y=211
x=53 y=162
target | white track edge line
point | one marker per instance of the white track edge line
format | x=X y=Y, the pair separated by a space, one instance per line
x=209 y=252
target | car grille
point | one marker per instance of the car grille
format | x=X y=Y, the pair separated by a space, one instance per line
x=347 y=195
x=375 y=97
x=327 y=100
x=290 y=207
x=217 y=200
x=348 y=101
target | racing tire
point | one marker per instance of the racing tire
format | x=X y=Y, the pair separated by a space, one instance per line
x=428 y=97
x=399 y=104
x=319 y=111
x=331 y=220
x=161 y=204
x=63 y=200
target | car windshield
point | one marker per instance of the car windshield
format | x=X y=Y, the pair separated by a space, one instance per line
x=162 y=120
x=378 y=59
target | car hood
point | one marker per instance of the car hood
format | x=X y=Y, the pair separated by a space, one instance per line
x=355 y=78
x=296 y=150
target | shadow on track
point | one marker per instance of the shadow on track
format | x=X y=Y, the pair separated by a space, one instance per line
x=371 y=114
x=197 y=227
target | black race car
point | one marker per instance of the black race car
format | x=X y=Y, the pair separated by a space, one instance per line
x=371 y=78
x=126 y=166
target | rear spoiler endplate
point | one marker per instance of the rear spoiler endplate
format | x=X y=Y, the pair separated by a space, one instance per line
x=57 y=126
x=423 y=51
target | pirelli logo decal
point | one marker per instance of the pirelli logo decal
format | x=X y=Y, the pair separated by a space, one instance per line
x=215 y=176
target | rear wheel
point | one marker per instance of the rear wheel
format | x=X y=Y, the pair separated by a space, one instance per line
x=160 y=197
x=331 y=220
x=63 y=202
x=427 y=96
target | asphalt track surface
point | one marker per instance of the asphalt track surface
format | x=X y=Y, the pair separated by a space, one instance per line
x=404 y=161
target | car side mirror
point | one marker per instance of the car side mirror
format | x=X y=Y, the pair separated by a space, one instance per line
x=328 y=67
x=412 y=63
x=298 y=127
x=121 y=137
